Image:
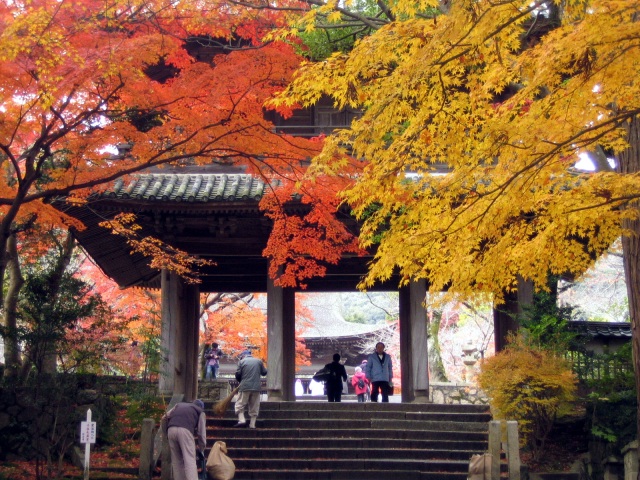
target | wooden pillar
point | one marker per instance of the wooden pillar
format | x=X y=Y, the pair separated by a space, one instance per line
x=414 y=352
x=168 y=332
x=179 y=337
x=191 y=325
x=280 y=343
x=289 y=345
x=505 y=316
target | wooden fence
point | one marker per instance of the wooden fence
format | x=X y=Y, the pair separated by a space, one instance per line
x=598 y=367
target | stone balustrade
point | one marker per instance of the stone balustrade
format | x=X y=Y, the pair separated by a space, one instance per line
x=457 y=393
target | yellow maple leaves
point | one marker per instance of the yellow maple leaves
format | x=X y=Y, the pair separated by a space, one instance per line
x=487 y=119
x=530 y=385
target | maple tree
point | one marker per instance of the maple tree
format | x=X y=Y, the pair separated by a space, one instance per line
x=48 y=303
x=165 y=83
x=475 y=114
x=193 y=90
x=453 y=328
x=65 y=320
x=232 y=320
x=132 y=329
x=236 y=322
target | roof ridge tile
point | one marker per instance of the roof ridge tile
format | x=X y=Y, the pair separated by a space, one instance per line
x=190 y=187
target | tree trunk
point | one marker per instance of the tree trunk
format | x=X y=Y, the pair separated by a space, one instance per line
x=10 y=269
x=50 y=353
x=437 y=372
x=629 y=162
x=11 y=347
x=7 y=231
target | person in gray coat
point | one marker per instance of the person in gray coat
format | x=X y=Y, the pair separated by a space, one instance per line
x=248 y=374
x=379 y=371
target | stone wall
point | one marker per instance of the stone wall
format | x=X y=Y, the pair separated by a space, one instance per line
x=42 y=419
x=439 y=392
x=456 y=393
x=213 y=390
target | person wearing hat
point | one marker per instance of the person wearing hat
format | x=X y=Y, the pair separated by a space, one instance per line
x=182 y=422
x=248 y=373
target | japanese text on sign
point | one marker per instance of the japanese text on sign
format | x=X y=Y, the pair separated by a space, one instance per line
x=87 y=432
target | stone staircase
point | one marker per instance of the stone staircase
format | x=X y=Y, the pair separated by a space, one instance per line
x=309 y=440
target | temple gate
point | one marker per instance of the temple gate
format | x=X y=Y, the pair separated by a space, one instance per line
x=213 y=213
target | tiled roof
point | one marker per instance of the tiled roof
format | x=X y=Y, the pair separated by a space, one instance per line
x=327 y=322
x=180 y=187
x=602 y=329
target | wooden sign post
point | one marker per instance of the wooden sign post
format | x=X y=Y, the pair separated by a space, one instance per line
x=87 y=436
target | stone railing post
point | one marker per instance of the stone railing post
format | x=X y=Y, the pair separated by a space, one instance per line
x=495 y=437
x=165 y=459
x=160 y=448
x=513 y=450
x=630 y=454
x=613 y=468
x=146 y=449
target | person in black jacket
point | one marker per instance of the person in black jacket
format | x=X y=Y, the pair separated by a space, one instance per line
x=338 y=375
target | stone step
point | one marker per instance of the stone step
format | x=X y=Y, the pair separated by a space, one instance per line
x=367 y=406
x=555 y=476
x=354 y=441
x=352 y=454
x=359 y=434
x=368 y=415
x=358 y=424
x=371 y=464
x=353 y=444
x=335 y=474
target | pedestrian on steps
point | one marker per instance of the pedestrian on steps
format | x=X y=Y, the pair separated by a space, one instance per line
x=248 y=374
x=212 y=356
x=360 y=383
x=337 y=376
x=379 y=371
x=184 y=421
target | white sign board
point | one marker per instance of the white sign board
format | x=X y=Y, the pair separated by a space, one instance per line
x=87 y=436
x=87 y=432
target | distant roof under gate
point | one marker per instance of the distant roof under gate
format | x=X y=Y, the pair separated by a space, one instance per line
x=214 y=216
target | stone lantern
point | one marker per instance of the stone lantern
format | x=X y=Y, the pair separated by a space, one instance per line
x=469 y=358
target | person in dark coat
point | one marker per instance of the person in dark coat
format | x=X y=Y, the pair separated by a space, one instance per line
x=338 y=375
x=183 y=422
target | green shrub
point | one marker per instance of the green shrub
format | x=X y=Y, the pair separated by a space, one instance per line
x=531 y=385
x=612 y=403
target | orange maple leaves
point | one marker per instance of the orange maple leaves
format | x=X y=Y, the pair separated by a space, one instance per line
x=310 y=227
x=239 y=323
x=174 y=83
